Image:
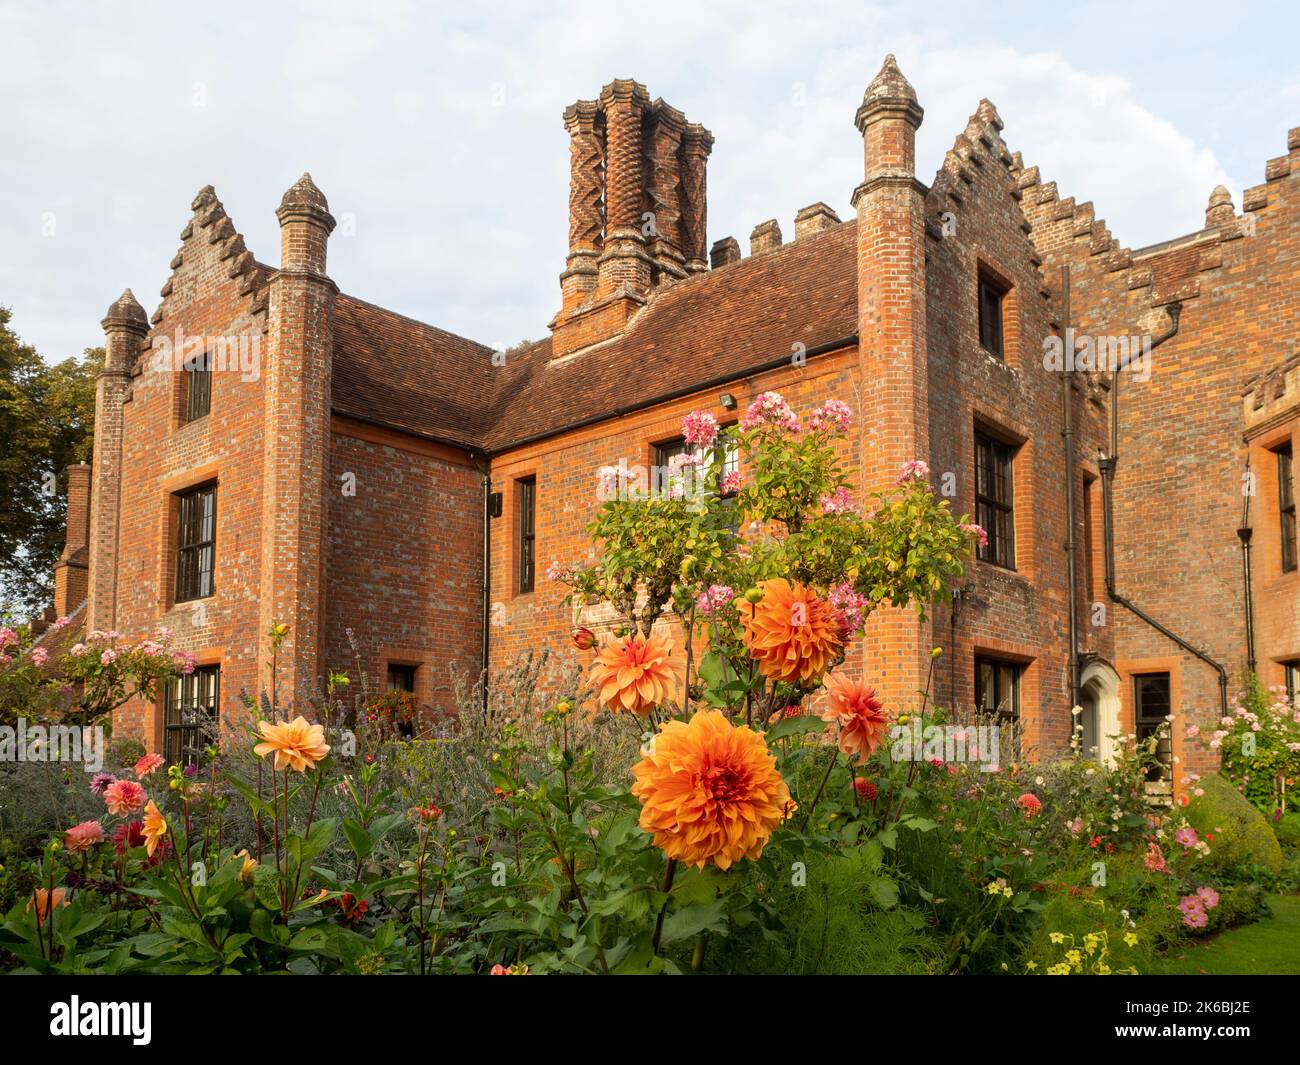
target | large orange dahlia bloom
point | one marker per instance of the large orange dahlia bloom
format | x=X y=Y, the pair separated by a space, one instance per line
x=791 y=633
x=295 y=743
x=636 y=674
x=709 y=791
x=858 y=712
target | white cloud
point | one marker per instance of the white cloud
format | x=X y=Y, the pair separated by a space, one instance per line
x=441 y=133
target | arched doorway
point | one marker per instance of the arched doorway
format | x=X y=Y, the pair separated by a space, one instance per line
x=1099 y=701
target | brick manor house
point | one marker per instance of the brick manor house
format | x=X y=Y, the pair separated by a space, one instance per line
x=381 y=475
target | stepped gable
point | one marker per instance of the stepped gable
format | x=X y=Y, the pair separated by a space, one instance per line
x=210 y=233
x=978 y=148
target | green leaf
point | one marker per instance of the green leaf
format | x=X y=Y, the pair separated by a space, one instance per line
x=358 y=839
x=707 y=917
x=884 y=891
x=794 y=726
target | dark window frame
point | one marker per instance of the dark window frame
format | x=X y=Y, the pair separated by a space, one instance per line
x=196 y=543
x=1151 y=709
x=995 y=499
x=1007 y=676
x=198 y=388
x=526 y=497
x=401 y=671
x=187 y=701
x=667 y=449
x=991 y=299
x=1291 y=678
x=1286 y=505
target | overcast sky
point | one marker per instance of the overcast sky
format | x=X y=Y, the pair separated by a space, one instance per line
x=436 y=130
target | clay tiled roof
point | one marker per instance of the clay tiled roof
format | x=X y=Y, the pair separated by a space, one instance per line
x=716 y=324
x=403 y=373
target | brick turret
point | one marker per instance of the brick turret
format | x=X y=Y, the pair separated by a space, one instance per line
x=125 y=326
x=297 y=436
x=892 y=329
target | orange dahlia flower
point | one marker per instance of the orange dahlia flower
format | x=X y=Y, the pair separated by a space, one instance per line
x=295 y=743
x=155 y=827
x=791 y=633
x=636 y=674
x=858 y=712
x=45 y=900
x=709 y=791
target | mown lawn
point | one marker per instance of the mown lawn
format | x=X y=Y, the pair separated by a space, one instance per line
x=1270 y=947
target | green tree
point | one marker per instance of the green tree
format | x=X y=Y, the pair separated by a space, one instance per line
x=47 y=418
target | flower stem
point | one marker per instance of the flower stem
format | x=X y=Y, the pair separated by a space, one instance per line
x=669 y=870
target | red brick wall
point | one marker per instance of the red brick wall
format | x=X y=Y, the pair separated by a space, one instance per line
x=1181 y=454
x=403 y=561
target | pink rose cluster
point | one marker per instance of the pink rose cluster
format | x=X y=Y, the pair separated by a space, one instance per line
x=850 y=607
x=770 y=409
x=699 y=429
x=913 y=470
x=714 y=598
x=838 y=503
x=832 y=416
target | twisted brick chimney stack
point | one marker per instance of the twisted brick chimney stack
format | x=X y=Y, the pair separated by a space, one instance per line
x=637 y=215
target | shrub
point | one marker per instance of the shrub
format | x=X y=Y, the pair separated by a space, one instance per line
x=1259 y=744
x=1287 y=830
x=1241 y=834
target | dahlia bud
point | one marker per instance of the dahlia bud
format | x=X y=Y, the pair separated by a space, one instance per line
x=583 y=638
x=754 y=595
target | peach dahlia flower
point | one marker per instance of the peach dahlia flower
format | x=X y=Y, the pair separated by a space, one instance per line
x=123 y=797
x=155 y=827
x=858 y=712
x=147 y=765
x=295 y=743
x=791 y=632
x=709 y=791
x=83 y=837
x=636 y=674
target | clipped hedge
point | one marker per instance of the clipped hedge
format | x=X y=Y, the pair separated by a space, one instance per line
x=1242 y=835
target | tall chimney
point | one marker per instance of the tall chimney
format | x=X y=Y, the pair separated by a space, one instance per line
x=624 y=264
x=72 y=569
x=662 y=216
x=697 y=143
x=637 y=216
x=125 y=326
x=585 y=124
